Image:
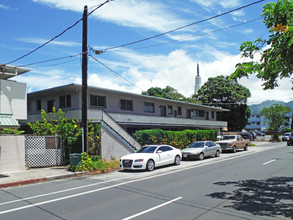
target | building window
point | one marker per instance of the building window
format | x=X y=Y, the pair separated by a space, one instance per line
x=98 y=101
x=201 y=113
x=64 y=101
x=213 y=114
x=39 y=105
x=258 y=123
x=193 y=113
x=50 y=105
x=149 y=107
x=170 y=109
x=179 y=110
x=126 y=105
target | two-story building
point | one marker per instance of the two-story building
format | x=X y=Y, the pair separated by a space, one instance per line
x=122 y=113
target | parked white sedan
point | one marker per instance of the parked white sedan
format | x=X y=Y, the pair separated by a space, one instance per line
x=151 y=156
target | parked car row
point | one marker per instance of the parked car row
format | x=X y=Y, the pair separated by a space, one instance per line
x=151 y=156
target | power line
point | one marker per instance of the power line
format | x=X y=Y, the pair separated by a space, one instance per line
x=182 y=27
x=114 y=72
x=97 y=51
x=50 y=60
x=197 y=35
x=49 y=41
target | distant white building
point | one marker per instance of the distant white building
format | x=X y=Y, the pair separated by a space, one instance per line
x=256 y=122
x=197 y=81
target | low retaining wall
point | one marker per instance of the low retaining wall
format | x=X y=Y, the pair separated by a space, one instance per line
x=12 y=153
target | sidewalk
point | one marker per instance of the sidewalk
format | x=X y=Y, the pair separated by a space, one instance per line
x=35 y=175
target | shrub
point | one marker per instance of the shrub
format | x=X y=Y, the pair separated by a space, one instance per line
x=178 y=139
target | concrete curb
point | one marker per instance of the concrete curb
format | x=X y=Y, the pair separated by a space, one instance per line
x=56 y=177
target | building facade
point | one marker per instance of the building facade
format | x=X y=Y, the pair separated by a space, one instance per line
x=122 y=113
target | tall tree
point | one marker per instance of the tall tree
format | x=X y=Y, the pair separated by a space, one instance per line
x=274 y=116
x=276 y=52
x=168 y=93
x=227 y=93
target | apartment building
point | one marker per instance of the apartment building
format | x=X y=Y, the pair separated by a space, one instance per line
x=122 y=113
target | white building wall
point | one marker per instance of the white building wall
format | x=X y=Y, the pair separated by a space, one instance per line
x=111 y=147
x=12 y=153
x=13 y=99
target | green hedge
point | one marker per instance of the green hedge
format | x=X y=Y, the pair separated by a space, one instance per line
x=179 y=139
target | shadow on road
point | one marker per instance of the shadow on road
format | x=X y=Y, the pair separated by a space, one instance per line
x=270 y=197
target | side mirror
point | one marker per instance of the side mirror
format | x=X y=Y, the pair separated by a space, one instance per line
x=159 y=151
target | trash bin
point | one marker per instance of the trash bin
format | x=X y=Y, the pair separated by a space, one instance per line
x=75 y=159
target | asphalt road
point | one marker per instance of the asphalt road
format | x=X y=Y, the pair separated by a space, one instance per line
x=256 y=184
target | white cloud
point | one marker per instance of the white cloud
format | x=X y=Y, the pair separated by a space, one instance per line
x=139 y=14
x=5 y=7
x=42 y=79
x=42 y=41
x=248 y=31
x=178 y=70
x=214 y=3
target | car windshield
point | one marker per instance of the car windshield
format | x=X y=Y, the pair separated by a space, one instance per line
x=286 y=134
x=196 y=145
x=229 y=137
x=147 y=149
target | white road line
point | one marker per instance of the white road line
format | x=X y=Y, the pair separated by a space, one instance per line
x=61 y=191
x=152 y=209
x=120 y=184
x=269 y=162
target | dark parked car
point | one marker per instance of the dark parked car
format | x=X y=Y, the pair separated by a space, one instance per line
x=246 y=135
x=253 y=135
x=258 y=133
x=290 y=141
x=286 y=136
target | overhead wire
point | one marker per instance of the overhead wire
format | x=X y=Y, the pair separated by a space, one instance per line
x=50 y=60
x=197 y=35
x=182 y=27
x=58 y=35
x=113 y=71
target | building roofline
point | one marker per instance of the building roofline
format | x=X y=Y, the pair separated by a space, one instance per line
x=75 y=85
x=8 y=71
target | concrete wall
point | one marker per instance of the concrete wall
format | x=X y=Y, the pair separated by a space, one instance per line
x=13 y=99
x=12 y=153
x=111 y=146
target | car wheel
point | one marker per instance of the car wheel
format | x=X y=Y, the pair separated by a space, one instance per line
x=177 y=160
x=246 y=147
x=150 y=166
x=201 y=156
x=217 y=153
x=234 y=149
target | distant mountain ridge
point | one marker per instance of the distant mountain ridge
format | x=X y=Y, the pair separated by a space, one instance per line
x=255 y=109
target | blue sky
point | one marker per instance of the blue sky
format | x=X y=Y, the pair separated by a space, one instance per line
x=170 y=59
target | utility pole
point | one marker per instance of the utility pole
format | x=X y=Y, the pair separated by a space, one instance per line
x=84 y=82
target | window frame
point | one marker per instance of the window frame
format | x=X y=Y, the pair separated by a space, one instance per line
x=149 y=107
x=126 y=105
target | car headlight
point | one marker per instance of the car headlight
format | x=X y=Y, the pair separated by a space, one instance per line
x=138 y=160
